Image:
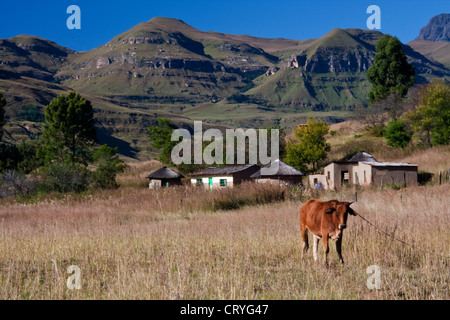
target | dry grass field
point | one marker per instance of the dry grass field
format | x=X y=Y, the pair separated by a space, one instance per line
x=233 y=243
x=142 y=244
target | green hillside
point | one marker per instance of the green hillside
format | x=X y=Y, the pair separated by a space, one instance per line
x=164 y=67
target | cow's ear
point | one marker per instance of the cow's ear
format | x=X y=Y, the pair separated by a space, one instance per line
x=330 y=211
x=351 y=212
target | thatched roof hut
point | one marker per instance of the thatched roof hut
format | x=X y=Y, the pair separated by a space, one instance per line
x=164 y=177
x=284 y=174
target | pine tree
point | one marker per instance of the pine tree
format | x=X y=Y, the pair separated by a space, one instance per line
x=69 y=134
x=390 y=71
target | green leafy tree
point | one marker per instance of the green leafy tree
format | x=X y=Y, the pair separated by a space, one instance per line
x=390 y=71
x=2 y=114
x=308 y=147
x=431 y=116
x=69 y=133
x=108 y=166
x=397 y=134
x=160 y=137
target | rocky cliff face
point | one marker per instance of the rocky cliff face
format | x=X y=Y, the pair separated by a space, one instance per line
x=437 y=29
x=332 y=61
x=337 y=62
x=167 y=60
x=31 y=57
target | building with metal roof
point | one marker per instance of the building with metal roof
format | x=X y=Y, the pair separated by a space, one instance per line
x=364 y=170
x=216 y=177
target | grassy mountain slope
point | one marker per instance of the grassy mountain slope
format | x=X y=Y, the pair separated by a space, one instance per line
x=330 y=73
x=164 y=67
x=438 y=51
x=163 y=58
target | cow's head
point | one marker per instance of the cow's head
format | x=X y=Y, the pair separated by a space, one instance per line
x=339 y=213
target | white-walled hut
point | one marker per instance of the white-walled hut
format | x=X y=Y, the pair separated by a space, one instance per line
x=285 y=174
x=164 y=177
x=217 y=177
x=364 y=170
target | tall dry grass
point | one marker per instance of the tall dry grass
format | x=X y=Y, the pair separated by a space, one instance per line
x=130 y=245
x=135 y=173
x=432 y=160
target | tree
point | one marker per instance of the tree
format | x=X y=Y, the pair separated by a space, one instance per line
x=2 y=114
x=20 y=157
x=390 y=71
x=397 y=134
x=309 y=146
x=431 y=116
x=109 y=165
x=160 y=137
x=69 y=133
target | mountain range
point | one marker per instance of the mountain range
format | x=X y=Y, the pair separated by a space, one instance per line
x=165 y=67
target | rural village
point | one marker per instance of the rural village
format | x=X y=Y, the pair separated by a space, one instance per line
x=95 y=204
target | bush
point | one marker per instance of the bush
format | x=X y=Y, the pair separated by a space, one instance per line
x=377 y=130
x=65 y=177
x=15 y=183
x=108 y=167
x=9 y=157
x=398 y=134
x=424 y=177
x=20 y=157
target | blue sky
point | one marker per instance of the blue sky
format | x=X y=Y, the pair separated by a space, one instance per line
x=102 y=20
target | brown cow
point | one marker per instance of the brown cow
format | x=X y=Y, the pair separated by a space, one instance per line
x=325 y=219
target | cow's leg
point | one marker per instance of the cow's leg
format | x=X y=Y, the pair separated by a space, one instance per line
x=339 y=248
x=305 y=245
x=315 y=247
x=326 y=249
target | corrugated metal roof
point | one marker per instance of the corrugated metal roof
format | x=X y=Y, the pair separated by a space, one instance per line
x=389 y=164
x=283 y=170
x=222 y=171
x=164 y=173
x=367 y=158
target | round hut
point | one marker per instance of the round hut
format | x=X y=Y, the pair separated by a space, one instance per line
x=284 y=175
x=164 y=177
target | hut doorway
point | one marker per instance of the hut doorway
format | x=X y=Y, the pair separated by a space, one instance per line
x=345 y=178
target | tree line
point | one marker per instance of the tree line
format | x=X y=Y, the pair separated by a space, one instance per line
x=65 y=158
x=403 y=111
